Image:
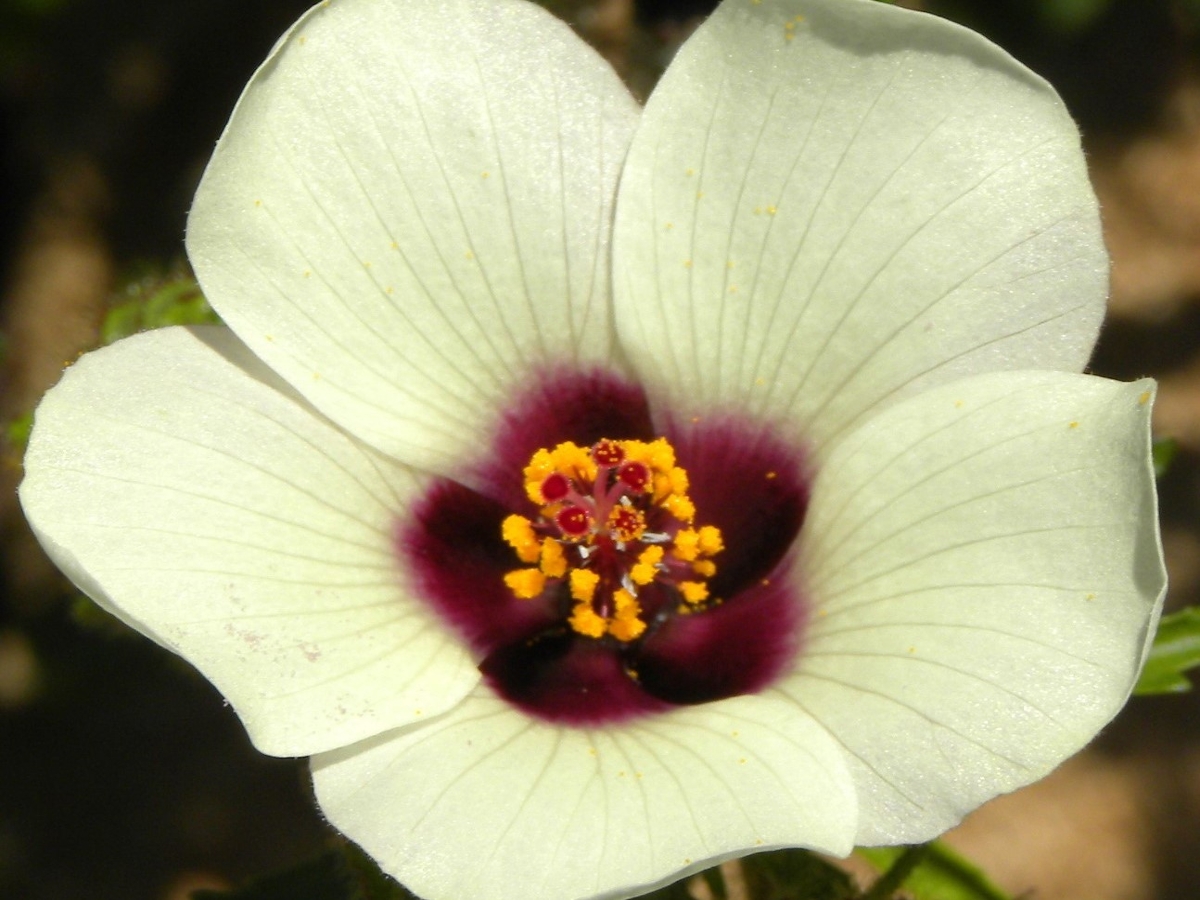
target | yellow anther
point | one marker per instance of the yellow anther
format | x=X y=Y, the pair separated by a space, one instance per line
x=574 y=462
x=518 y=533
x=541 y=464
x=658 y=455
x=625 y=601
x=662 y=455
x=679 y=480
x=626 y=625
x=645 y=569
x=583 y=585
x=710 y=540
x=687 y=544
x=662 y=487
x=672 y=481
x=693 y=591
x=525 y=583
x=705 y=568
x=680 y=507
x=586 y=622
x=626 y=628
x=554 y=561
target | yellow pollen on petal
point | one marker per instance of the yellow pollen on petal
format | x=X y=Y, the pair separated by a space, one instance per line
x=525 y=583
x=518 y=533
x=693 y=591
x=583 y=585
x=554 y=561
x=705 y=568
x=646 y=568
x=586 y=621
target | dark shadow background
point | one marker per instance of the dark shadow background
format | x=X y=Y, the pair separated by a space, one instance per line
x=123 y=776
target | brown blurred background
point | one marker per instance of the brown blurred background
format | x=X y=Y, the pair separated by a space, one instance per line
x=122 y=774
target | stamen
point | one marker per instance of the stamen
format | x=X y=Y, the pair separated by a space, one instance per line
x=647 y=566
x=687 y=545
x=587 y=622
x=593 y=539
x=680 y=507
x=554 y=561
x=518 y=533
x=583 y=584
x=626 y=625
x=710 y=542
x=526 y=583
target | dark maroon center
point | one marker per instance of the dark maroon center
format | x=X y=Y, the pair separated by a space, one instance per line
x=743 y=479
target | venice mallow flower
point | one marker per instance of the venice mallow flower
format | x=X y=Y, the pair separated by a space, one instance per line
x=594 y=492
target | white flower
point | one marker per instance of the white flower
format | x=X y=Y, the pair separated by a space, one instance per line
x=854 y=264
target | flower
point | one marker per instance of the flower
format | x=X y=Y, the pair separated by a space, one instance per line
x=411 y=514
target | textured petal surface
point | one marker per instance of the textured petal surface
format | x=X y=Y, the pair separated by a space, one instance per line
x=831 y=204
x=985 y=565
x=185 y=488
x=410 y=208
x=488 y=804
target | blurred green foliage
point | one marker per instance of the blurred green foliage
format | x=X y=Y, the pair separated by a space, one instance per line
x=940 y=874
x=1164 y=452
x=1071 y=15
x=343 y=873
x=156 y=300
x=1176 y=649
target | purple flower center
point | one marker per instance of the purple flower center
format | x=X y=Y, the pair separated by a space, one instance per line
x=577 y=574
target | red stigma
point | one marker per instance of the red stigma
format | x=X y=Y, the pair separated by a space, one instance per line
x=635 y=475
x=608 y=453
x=574 y=521
x=555 y=487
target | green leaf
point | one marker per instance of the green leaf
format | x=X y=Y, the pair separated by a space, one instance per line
x=942 y=874
x=1176 y=649
x=344 y=873
x=795 y=875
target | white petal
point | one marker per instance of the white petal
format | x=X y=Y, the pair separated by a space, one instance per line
x=186 y=489
x=986 y=573
x=831 y=204
x=410 y=210
x=488 y=804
